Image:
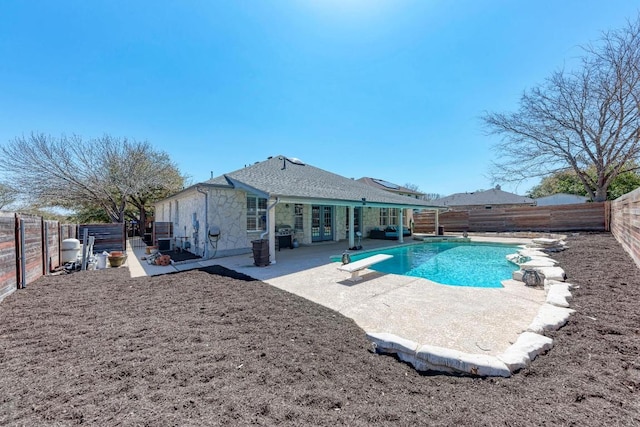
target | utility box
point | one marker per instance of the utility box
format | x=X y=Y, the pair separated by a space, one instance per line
x=164 y=244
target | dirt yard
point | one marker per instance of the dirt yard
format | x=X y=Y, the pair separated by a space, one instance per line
x=198 y=348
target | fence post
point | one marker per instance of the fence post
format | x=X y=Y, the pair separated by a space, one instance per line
x=59 y=243
x=85 y=244
x=45 y=247
x=23 y=258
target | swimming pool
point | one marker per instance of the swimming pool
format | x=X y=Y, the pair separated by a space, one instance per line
x=449 y=263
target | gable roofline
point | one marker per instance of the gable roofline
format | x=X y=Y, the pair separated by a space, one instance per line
x=494 y=196
x=293 y=181
x=355 y=203
x=249 y=189
x=193 y=187
x=290 y=178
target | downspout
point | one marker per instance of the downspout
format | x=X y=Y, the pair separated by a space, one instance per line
x=272 y=238
x=273 y=205
x=206 y=222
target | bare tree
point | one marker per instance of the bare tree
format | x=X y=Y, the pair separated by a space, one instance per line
x=431 y=196
x=586 y=118
x=7 y=195
x=72 y=173
x=424 y=196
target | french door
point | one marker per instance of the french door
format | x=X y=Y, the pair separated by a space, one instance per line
x=321 y=223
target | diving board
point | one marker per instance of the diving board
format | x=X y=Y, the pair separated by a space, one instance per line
x=357 y=266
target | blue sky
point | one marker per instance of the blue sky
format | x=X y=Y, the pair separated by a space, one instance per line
x=391 y=89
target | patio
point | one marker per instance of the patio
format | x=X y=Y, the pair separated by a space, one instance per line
x=470 y=320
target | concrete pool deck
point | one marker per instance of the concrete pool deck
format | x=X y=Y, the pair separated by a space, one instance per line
x=477 y=321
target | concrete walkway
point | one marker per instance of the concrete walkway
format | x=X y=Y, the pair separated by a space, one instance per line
x=472 y=320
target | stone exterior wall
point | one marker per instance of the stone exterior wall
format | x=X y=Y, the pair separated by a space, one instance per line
x=285 y=215
x=371 y=219
x=227 y=211
x=340 y=226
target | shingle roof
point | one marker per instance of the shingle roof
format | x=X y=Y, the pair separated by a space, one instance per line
x=494 y=196
x=388 y=186
x=280 y=176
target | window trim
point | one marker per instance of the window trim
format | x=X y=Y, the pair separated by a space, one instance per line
x=260 y=214
x=298 y=217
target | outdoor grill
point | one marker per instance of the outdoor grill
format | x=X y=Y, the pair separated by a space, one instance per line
x=284 y=236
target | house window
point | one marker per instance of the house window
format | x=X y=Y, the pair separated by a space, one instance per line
x=393 y=216
x=388 y=216
x=256 y=213
x=298 y=223
x=357 y=213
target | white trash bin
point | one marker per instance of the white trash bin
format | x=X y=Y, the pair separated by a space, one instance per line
x=102 y=260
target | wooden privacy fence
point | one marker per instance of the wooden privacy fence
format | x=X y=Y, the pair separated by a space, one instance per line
x=576 y=217
x=31 y=246
x=109 y=237
x=625 y=223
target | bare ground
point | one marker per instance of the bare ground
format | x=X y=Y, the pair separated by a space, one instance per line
x=198 y=348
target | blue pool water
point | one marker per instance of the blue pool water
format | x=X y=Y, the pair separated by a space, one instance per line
x=448 y=263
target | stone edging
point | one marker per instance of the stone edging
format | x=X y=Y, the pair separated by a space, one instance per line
x=551 y=316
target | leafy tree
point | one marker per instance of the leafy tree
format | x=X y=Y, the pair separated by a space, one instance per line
x=560 y=182
x=624 y=183
x=90 y=215
x=107 y=172
x=578 y=120
x=568 y=182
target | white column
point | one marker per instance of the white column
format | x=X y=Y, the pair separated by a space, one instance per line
x=400 y=226
x=271 y=228
x=352 y=241
x=437 y=221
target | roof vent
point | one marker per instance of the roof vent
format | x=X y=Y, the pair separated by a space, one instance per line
x=295 y=160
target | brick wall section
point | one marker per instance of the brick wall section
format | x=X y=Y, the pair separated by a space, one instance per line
x=625 y=223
